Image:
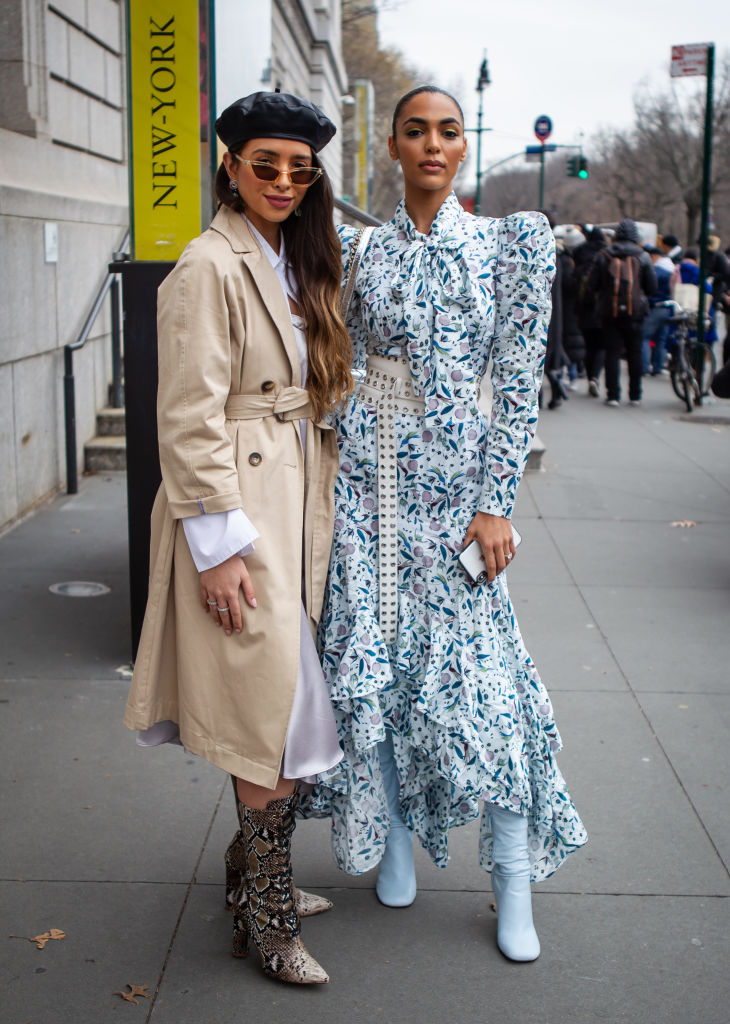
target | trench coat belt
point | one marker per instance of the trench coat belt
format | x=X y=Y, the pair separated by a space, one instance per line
x=288 y=404
x=388 y=385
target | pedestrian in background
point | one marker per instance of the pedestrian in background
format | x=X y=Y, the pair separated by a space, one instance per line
x=670 y=247
x=573 y=342
x=589 y=316
x=624 y=278
x=657 y=323
x=438 y=704
x=556 y=358
x=252 y=354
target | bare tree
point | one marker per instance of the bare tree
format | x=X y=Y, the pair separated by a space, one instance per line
x=391 y=77
x=654 y=171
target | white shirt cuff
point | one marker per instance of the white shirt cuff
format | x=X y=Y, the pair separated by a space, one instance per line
x=214 y=537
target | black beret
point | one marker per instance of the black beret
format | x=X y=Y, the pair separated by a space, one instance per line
x=274 y=115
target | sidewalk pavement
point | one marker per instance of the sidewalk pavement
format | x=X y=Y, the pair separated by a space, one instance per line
x=626 y=614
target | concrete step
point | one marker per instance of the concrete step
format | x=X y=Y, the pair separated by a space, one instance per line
x=104 y=453
x=110 y=422
x=534 y=459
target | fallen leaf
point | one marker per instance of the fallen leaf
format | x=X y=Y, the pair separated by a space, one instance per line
x=135 y=990
x=87 y=807
x=42 y=940
x=76 y=531
x=493 y=907
x=684 y=523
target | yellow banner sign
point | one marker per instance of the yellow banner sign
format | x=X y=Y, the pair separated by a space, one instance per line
x=165 y=134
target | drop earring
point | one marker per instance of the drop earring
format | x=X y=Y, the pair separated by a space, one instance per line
x=233 y=185
x=298 y=211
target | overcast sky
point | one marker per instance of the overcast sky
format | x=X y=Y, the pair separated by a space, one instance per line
x=578 y=61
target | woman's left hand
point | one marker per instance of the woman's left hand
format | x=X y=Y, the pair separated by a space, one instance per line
x=494 y=535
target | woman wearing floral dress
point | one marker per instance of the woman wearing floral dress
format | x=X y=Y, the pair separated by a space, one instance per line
x=437 y=702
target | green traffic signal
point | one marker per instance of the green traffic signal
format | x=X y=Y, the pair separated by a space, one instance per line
x=582 y=168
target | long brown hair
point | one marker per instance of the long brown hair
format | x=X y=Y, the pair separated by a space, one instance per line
x=313 y=248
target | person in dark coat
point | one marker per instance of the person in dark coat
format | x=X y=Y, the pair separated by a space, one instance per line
x=555 y=357
x=623 y=330
x=589 y=318
x=573 y=342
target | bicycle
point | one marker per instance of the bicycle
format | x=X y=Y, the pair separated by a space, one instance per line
x=692 y=363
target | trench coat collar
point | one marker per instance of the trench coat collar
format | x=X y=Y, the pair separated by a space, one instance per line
x=235 y=230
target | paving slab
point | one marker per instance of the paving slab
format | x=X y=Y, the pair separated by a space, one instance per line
x=693 y=729
x=666 y=638
x=644 y=553
x=77 y=537
x=538 y=559
x=612 y=959
x=115 y=935
x=102 y=808
x=629 y=493
x=564 y=638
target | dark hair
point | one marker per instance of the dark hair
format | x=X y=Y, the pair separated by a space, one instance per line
x=417 y=92
x=690 y=253
x=313 y=247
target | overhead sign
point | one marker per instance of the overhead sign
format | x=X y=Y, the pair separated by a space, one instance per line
x=543 y=127
x=165 y=134
x=689 y=60
x=533 y=154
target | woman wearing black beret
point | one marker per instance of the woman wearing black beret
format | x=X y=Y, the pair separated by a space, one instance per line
x=252 y=354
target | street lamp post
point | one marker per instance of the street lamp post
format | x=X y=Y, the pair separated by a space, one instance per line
x=483 y=80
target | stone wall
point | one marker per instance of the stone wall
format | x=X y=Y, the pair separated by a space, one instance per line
x=63 y=140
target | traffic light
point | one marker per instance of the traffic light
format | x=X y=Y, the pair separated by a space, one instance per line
x=571 y=166
x=582 y=167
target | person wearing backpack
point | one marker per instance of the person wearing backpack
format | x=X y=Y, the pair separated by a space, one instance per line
x=624 y=278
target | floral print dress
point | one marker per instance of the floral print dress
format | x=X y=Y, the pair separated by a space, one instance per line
x=470 y=718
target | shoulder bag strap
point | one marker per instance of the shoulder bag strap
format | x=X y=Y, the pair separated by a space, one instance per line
x=359 y=246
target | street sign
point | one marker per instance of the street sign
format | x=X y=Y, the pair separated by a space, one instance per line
x=543 y=127
x=689 y=60
x=533 y=154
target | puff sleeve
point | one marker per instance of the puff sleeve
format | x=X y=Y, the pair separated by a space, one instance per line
x=525 y=270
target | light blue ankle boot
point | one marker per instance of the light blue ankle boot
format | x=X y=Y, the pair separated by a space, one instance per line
x=396 y=884
x=516 y=935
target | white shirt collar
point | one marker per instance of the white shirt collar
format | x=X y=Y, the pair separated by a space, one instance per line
x=276 y=259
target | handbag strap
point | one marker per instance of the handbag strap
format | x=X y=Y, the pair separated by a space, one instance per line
x=359 y=245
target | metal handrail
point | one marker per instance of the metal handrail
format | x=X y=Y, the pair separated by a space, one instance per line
x=357 y=213
x=110 y=283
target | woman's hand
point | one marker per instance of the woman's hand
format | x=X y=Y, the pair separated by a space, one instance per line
x=219 y=589
x=495 y=539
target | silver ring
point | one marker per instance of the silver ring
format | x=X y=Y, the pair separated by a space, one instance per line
x=212 y=602
x=222 y=609
x=509 y=556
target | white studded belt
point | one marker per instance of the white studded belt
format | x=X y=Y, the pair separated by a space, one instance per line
x=388 y=385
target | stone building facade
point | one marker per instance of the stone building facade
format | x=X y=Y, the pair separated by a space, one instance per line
x=63 y=174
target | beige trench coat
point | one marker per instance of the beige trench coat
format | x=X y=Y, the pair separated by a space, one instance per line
x=229 y=402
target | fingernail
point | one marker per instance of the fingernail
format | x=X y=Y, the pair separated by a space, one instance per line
x=238 y=630
x=253 y=603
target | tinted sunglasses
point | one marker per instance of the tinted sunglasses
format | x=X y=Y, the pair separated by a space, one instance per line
x=269 y=172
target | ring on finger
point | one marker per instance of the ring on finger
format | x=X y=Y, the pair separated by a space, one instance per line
x=222 y=609
x=212 y=603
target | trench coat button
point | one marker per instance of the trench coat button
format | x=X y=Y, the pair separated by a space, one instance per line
x=254 y=459
x=268 y=385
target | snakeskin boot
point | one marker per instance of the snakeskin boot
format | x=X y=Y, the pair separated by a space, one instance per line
x=307 y=903
x=266 y=916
